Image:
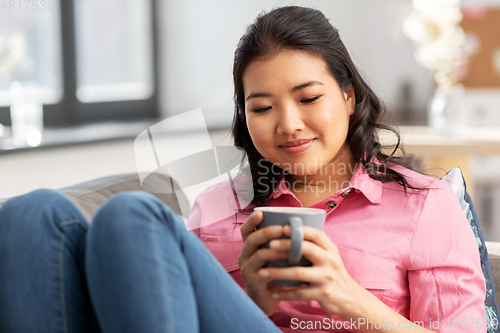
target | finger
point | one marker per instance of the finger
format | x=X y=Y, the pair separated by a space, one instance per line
x=262 y=256
x=319 y=256
x=316 y=236
x=277 y=287
x=316 y=254
x=250 y=224
x=313 y=275
x=302 y=293
x=256 y=239
x=261 y=281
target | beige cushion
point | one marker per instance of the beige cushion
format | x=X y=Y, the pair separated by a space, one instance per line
x=90 y=195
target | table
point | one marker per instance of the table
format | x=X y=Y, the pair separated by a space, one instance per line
x=440 y=153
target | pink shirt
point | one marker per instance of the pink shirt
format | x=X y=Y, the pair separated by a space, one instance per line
x=416 y=253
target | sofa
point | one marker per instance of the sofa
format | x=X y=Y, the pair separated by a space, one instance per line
x=90 y=195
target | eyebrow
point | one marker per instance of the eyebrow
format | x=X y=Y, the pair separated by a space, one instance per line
x=294 y=89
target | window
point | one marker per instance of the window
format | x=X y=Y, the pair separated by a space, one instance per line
x=90 y=60
x=113 y=64
x=30 y=49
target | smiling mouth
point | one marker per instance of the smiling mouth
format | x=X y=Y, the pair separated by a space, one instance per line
x=296 y=143
x=298 y=146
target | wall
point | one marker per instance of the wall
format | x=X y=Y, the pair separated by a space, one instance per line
x=64 y=166
x=198 y=39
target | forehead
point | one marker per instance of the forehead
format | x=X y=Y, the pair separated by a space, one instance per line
x=286 y=67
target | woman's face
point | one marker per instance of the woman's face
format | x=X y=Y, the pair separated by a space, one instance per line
x=297 y=115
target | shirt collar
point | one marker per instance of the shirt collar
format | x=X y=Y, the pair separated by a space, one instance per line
x=360 y=181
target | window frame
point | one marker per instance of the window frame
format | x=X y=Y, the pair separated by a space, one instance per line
x=69 y=111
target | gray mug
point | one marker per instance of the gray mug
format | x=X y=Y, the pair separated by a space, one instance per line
x=296 y=217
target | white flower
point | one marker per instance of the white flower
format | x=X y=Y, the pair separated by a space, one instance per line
x=433 y=26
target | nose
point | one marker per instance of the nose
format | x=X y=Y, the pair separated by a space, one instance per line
x=289 y=120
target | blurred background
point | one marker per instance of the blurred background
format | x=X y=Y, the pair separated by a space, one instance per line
x=80 y=79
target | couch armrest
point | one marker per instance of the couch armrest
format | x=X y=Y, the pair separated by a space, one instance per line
x=90 y=195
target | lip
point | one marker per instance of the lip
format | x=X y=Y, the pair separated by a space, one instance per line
x=297 y=146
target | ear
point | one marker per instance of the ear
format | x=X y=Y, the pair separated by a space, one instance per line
x=350 y=99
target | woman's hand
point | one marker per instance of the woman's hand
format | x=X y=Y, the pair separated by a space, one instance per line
x=252 y=258
x=329 y=283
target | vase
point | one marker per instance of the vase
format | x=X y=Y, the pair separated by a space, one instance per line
x=447 y=112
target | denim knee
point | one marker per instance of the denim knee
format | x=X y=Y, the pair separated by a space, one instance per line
x=39 y=211
x=123 y=217
x=120 y=215
x=41 y=198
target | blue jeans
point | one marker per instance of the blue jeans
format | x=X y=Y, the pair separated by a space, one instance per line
x=135 y=268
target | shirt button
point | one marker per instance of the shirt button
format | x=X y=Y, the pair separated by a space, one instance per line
x=331 y=204
x=346 y=192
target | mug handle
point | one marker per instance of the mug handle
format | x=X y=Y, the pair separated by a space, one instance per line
x=297 y=237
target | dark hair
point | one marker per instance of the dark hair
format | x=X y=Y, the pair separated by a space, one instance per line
x=307 y=29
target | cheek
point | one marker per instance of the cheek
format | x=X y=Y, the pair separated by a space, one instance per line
x=332 y=123
x=259 y=131
x=334 y=115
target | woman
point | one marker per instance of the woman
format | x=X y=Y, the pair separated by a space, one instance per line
x=305 y=118
x=396 y=247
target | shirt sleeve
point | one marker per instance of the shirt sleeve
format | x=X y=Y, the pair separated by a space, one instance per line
x=211 y=209
x=447 y=287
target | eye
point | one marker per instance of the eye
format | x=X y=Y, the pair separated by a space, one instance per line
x=261 y=110
x=309 y=100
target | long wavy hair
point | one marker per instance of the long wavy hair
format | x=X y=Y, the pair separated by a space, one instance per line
x=307 y=29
